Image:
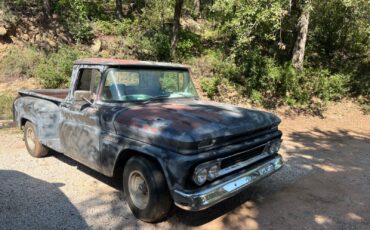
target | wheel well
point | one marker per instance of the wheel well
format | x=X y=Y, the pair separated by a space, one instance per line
x=124 y=156
x=23 y=121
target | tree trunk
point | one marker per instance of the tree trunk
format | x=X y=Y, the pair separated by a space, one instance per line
x=46 y=9
x=300 y=43
x=119 y=12
x=176 y=26
x=197 y=9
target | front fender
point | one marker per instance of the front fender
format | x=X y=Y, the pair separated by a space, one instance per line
x=115 y=148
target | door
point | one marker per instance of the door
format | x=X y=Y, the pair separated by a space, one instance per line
x=80 y=129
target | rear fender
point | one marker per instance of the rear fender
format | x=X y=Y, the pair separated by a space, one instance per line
x=45 y=115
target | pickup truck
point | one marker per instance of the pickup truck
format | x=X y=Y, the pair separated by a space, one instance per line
x=144 y=123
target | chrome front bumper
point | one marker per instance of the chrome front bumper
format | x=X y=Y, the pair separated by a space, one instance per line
x=205 y=197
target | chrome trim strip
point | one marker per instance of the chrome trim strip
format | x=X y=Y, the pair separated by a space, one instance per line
x=202 y=198
x=247 y=150
x=242 y=164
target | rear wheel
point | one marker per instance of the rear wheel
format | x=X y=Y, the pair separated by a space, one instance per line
x=146 y=190
x=33 y=145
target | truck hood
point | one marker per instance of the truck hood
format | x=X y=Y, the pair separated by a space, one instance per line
x=190 y=124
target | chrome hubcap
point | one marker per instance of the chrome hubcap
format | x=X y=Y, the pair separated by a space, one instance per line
x=30 y=139
x=138 y=189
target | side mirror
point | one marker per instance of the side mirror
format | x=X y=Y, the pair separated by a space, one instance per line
x=83 y=95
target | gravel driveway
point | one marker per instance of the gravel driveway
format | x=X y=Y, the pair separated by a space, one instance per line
x=325 y=184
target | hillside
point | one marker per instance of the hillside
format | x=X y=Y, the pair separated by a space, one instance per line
x=244 y=54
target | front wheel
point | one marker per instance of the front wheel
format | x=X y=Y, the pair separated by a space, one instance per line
x=33 y=145
x=146 y=190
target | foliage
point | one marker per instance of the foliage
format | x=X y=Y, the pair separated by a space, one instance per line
x=344 y=46
x=256 y=97
x=19 y=62
x=6 y=103
x=189 y=45
x=244 y=23
x=114 y=27
x=210 y=86
x=366 y=108
x=6 y=15
x=150 y=32
x=55 y=70
x=263 y=80
x=247 y=43
x=77 y=15
x=146 y=43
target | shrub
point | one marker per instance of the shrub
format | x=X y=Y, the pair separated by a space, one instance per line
x=189 y=44
x=111 y=27
x=365 y=108
x=82 y=31
x=256 y=97
x=6 y=103
x=210 y=86
x=333 y=87
x=6 y=14
x=360 y=80
x=55 y=70
x=149 y=44
x=77 y=15
x=19 y=62
x=265 y=81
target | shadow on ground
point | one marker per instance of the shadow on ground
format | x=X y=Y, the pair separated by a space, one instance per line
x=324 y=184
x=30 y=203
x=113 y=182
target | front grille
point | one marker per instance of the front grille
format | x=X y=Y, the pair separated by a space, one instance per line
x=227 y=162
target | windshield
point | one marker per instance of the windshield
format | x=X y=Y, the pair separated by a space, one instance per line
x=146 y=84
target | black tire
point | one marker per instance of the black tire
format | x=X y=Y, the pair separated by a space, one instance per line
x=159 y=203
x=33 y=145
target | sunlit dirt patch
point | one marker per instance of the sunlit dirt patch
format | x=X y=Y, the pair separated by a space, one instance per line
x=323 y=220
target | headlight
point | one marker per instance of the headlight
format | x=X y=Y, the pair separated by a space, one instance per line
x=213 y=172
x=274 y=147
x=206 y=171
x=200 y=176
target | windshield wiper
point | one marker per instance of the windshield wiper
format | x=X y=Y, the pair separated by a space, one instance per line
x=156 y=97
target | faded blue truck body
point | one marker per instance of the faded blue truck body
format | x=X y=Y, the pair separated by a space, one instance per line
x=178 y=133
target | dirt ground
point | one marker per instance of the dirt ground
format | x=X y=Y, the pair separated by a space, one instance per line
x=325 y=184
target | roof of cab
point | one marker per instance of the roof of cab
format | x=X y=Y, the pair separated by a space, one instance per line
x=121 y=62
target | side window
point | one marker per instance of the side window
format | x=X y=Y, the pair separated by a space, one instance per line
x=88 y=80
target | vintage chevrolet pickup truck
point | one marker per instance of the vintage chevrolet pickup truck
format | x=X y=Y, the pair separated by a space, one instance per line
x=144 y=123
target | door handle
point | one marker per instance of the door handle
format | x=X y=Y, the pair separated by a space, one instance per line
x=65 y=105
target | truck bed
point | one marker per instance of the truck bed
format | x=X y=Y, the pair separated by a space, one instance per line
x=55 y=95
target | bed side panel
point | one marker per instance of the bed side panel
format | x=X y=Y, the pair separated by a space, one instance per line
x=44 y=114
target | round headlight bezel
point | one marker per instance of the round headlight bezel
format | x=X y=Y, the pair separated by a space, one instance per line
x=210 y=169
x=200 y=176
x=213 y=172
x=274 y=147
